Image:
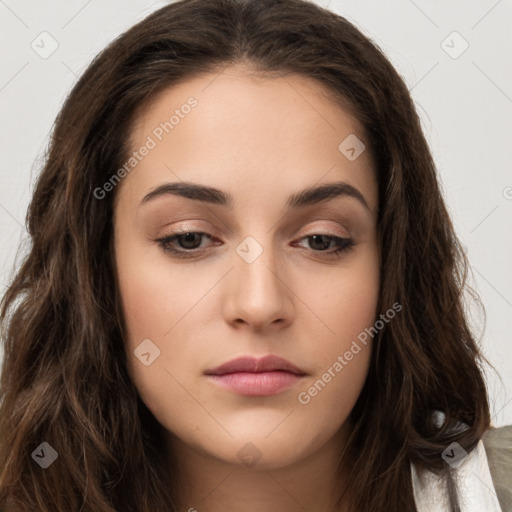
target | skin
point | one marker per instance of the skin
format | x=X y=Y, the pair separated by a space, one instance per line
x=260 y=140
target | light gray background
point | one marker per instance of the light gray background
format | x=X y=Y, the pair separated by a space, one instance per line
x=465 y=104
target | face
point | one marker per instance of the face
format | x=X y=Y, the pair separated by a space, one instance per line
x=251 y=269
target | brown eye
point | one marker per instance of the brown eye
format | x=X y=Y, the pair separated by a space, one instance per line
x=182 y=243
x=188 y=244
x=321 y=243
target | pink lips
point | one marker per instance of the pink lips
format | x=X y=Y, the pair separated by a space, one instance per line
x=256 y=377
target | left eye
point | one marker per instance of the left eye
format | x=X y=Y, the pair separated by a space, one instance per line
x=189 y=242
x=340 y=244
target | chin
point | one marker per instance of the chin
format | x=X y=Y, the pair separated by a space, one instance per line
x=264 y=452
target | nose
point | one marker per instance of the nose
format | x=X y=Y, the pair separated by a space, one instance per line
x=257 y=293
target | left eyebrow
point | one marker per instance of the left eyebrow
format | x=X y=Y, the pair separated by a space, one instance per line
x=322 y=193
x=306 y=197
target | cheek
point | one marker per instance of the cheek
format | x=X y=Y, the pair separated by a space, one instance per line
x=343 y=300
x=326 y=400
x=146 y=304
x=347 y=308
x=156 y=296
x=151 y=311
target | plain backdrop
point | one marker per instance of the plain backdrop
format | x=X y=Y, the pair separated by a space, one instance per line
x=456 y=58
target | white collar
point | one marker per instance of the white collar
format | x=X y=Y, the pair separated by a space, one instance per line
x=473 y=479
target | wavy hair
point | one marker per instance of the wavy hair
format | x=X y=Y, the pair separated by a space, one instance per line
x=64 y=376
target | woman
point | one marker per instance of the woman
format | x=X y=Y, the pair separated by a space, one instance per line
x=244 y=289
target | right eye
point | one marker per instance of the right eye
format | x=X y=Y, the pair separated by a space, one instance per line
x=189 y=242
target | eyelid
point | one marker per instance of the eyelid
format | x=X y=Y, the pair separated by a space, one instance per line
x=312 y=230
x=316 y=226
x=325 y=231
x=340 y=231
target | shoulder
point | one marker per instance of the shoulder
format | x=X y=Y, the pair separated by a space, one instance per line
x=481 y=478
x=498 y=448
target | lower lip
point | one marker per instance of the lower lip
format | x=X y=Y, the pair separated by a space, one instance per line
x=257 y=384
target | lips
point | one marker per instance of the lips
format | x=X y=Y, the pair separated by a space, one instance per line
x=249 y=376
x=268 y=363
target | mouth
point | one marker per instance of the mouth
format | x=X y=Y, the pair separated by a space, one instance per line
x=249 y=376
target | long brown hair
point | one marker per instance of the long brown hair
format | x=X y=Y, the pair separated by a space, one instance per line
x=64 y=378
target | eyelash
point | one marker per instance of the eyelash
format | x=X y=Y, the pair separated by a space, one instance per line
x=344 y=244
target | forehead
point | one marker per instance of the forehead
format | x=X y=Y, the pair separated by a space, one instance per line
x=243 y=97
x=247 y=131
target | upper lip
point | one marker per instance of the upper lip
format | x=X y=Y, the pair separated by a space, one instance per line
x=253 y=365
